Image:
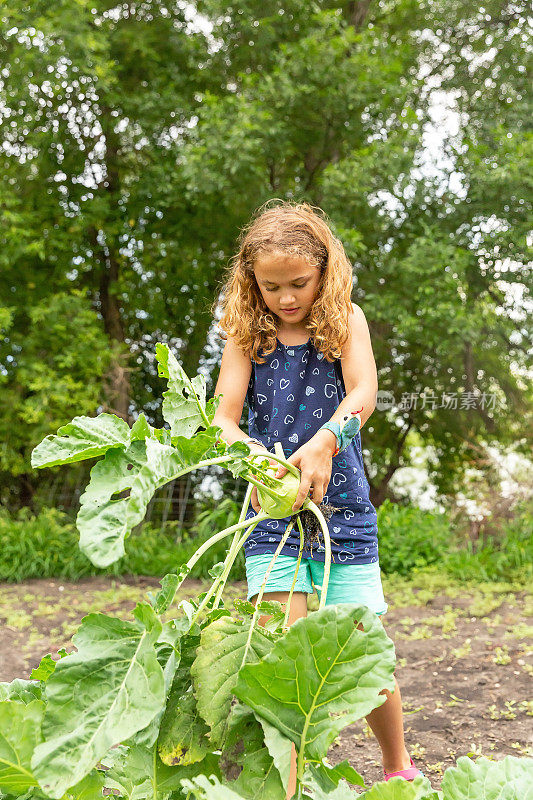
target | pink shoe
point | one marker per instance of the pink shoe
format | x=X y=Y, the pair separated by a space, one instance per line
x=409 y=774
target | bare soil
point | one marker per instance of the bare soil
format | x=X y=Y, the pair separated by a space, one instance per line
x=464 y=659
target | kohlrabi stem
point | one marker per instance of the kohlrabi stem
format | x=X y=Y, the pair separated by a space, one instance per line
x=234 y=547
x=235 y=551
x=327 y=542
x=288 y=466
x=272 y=492
x=220 y=535
x=220 y=581
x=288 y=608
x=262 y=589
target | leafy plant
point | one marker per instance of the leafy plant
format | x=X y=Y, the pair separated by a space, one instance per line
x=45 y=545
x=410 y=537
x=206 y=704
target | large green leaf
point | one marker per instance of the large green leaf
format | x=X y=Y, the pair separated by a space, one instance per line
x=110 y=688
x=183 y=733
x=102 y=521
x=279 y=748
x=341 y=792
x=509 y=779
x=84 y=437
x=20 y=732
x=216 y=667
x=209 y=788
x=168 y=653
x=322 y=675
x=171 y=777
x=89 y=788
x=400 y=789
x=105 y=521
x=138 y=773
x=184 y=398
x=162 y=463
x=46 y=666
x=245 y=760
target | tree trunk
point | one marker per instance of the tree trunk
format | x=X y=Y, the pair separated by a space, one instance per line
x=357 y=11
x=117 y=382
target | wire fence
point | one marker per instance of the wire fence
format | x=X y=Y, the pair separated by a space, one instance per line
x=176 y=501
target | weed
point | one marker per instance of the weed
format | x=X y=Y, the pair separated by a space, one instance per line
x=502 y=656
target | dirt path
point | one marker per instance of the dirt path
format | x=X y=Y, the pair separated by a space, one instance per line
x=464 y=658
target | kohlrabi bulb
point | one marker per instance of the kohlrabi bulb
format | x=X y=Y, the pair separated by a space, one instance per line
x=282 y=507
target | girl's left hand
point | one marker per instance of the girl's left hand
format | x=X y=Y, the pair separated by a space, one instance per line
x=314 y=459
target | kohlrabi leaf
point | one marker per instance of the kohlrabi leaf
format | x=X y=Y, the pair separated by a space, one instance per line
x=97 y=697
x=183 y=733
x=209 y=788
x=245 y=760
x=508 y=779
x=141 y=429
x=215 y=669
x=46 y=666
x=20 y=732
x=102 y=519
x=137 y=771
x=163 y=599
x=162 y=464
x=400 y=789
x=168 y=653
x=341 y=792
x=22 y=690
x=279 y=747
x=326 y=777
x=320 y=676
x=184 y=400
x=84 y=437
x=89 y=788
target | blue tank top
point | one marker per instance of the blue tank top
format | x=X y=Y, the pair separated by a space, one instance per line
x=289 y=398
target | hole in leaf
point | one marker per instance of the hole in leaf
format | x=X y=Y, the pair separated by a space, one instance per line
x=123 y=495
x=130 y=466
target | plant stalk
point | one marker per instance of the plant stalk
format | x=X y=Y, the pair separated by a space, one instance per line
x=287 y=610
x=220 y=581
x=327 y=542
x=262 y=589
x=235 y=544
x=220 y=535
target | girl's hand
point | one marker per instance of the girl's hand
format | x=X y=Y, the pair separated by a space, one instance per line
x=253 y=497
x=314 y=459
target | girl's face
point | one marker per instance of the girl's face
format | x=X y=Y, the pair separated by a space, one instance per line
x=286 y=282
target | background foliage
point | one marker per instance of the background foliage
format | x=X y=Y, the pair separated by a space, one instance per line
x=138 y=139
x=46 y=546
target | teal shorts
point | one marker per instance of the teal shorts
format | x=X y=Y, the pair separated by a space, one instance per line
x=348 y=583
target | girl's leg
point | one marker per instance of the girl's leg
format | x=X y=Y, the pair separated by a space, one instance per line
x=386 y=723
x=298 y=609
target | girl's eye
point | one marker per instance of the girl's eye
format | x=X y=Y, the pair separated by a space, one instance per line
x=301 y=286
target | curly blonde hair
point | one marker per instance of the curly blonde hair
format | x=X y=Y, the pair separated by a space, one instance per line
x=294 y=229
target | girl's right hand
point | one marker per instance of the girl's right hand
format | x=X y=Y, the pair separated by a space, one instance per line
x=275 y=464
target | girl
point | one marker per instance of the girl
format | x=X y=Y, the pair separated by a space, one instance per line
x=299 y=350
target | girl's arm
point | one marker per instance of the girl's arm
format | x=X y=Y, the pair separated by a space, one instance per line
x=358 y=370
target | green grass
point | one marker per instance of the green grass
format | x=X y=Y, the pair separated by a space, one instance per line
x=410 y=540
